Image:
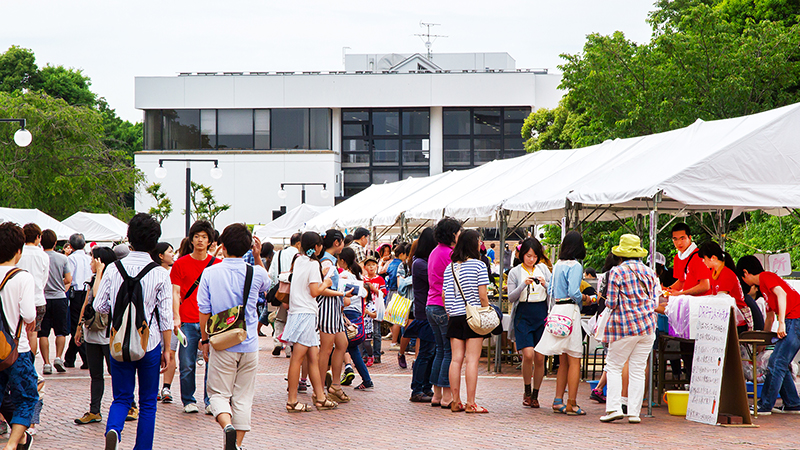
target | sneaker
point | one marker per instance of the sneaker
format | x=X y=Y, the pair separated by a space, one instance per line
x=230 y=437
x=401 y=360
x=365 y=387
x=328 y=379
x=191 y=408
x=88 y=418
x=288 y=351
x=59 y=365
x=634 y=419
x=133 y=414
x=112 y=440
x=166 y=395
x=47 y=369
x=377 y=360
x=348 y=377
x=420 y=398
x=208 y=411
x=612 y=416
x=28 y=441
x=302 y=386
x=597 y=395
x=276 y=351
x=69 y=365
x=765 y=412
x=370 y=361
x=395 y=346
x=785 y=410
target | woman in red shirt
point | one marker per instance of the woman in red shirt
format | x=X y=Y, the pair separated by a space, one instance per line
x=724 y=280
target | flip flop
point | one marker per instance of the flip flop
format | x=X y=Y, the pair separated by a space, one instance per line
x=433 y=404
x=475 y=409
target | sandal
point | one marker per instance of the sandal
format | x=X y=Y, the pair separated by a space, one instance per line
x=558 y=406
x=338 y=396
x=526 y=400
x=574 y=409
x=534 y=402
x=447 y=406
x=435 y=404
x=475 y=409
x=297 y=407
x=322 y=405
x=456 y=407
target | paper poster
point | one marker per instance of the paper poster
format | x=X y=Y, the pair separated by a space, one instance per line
x=781 y=264
x=709 y=360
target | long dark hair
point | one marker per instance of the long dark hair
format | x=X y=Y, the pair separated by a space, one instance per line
x=104 y=254
x=532 y=243
x=348 y=256
x=331 y=236
x=426 y=244
x=711 y=248
x=309 y=241
x=572 y=247
x=468 y=246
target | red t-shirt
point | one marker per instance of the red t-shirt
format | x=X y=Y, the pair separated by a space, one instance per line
x=769 y=281
x=728 y=282
x=379 y=281
x=696 y=272
x=184 y=273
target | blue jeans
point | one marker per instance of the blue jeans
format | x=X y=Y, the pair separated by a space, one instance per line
x=376 y=338
x=423 y=364
x=779 y=376
x=188 y=365
x=437 y=318
x=18 y=382
x=355 y=354
x=123 y=381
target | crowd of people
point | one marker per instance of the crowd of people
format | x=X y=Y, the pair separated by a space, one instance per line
x=143 y=309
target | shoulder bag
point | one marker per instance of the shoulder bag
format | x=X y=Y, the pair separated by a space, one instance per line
x=484 y=319
x=228 y=328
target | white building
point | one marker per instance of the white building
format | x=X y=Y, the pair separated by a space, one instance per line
x=385 y=118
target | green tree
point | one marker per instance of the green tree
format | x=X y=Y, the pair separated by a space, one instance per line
x=68 y=84
x=762 y=233
x=120 y=134
x=18 y=69
x=67 y=167
x=205 y=207
x=547 y=129
x=163 y=206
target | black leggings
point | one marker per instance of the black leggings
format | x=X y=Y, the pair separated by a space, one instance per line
x=96 y=354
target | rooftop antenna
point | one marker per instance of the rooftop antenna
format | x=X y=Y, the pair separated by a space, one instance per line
x=426 y=37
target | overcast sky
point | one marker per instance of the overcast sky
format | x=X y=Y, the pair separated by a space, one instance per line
x=114 y=41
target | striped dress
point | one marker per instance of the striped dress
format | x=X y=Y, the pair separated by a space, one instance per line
x=330 y=319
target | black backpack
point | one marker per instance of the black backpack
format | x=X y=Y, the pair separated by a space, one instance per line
x=130 y=330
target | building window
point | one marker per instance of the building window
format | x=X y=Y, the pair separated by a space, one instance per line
x=293 y=124
x=384 y=145
x=475 y=136
x=261 y=129
x=181 y=129
x=208 y=128
x=152 y=129
x=320 y=129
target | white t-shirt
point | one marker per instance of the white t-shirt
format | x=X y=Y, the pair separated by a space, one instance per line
x=81 y=270
x=36 y=262
x=18 y=300
x=305 y=271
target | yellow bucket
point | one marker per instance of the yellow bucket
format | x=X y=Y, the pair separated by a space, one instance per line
x=677 y=402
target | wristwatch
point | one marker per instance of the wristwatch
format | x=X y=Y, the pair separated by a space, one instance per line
x=204 y=341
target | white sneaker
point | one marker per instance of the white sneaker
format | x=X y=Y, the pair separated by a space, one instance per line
x=47 y=369
x=612 y=416
x=634 y=419
x=166 y=395
x=208 y=411
x=191 y=408
x=59 y=365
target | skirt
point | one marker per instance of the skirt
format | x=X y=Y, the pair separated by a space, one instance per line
x=572 y=344
x=529 y=323
x=330 y=319
x=301 y=329
x=458 y=328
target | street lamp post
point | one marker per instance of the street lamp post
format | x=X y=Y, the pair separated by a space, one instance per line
x=323 y=193
x=22 y=137
x=161 y=172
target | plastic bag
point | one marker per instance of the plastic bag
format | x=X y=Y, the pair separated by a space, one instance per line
x=679 y=316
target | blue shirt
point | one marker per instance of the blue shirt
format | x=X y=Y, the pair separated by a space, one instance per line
x=333 y=272
x=566 y=281
x=221 y=288
x=249 y=259
x=490 y=254
x=391 y=274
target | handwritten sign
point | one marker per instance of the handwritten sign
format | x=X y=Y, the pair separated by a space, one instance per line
x=781 y=264
x=709 y=360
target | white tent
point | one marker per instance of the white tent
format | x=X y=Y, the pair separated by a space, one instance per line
x=23 y=216
x=293 y=221
x=98 y=227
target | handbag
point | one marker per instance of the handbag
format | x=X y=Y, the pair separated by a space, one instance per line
x=600 y=326
x=482 y=320
x=228 y=328
x=285 y=283
x=397 y=310
x=558 y=323
x=355 y=331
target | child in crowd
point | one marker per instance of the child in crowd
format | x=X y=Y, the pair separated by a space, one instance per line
x=369 y=316
x=377 y=287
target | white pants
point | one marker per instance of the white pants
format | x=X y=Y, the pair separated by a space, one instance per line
x=634 y=350
x=231 y=385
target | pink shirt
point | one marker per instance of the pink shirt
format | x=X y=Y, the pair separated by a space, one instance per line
x=437 y=263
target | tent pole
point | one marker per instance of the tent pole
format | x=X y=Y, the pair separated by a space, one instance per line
x=653 y=235
x=503 y=225
x=721 y=228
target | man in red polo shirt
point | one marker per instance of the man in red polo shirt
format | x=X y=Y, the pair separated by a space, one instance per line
x=185 y=277
x=694 y=278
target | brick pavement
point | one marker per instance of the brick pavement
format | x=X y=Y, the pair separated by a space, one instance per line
x=384 y=418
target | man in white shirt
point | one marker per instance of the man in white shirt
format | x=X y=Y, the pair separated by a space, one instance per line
x=80 y=263
x=36 y=262
x=18 y=381
x=284 y=262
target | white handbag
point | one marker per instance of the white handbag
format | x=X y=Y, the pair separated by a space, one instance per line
x=484 y=319
x=600 y=326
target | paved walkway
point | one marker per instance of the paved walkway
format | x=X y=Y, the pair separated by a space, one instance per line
x=384 y=418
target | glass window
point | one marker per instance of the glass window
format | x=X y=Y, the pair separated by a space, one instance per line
x=455 y=121
x=486 y=150
x=152 y=129
x=356 y=176
x=351 y=190
x=416 y=122
x=385 y=176
x=321 y=129
x=235 y=128
x=513 y=144
x=355 y=145
x=181 y=129
x=517 y=114
x=415 y=173
x=354 y=115
x=385 y=123
x=415 y=153
x=487 y=121
x=513 y=153
x=355 y=129
x=386 y=152
x=291 y=128
x=208 y=128
x=261 y=125
x=456 y=152
x=355 y=159
x=513 y=129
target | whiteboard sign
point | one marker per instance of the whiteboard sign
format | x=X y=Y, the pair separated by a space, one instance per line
x=708 y=362
x=781 y=264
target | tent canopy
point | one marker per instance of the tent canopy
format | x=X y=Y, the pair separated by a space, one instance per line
x=293 y=221
x=98 y=227
x=24 y=216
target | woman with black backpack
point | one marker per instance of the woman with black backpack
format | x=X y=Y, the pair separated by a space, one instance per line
x=93 y=329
